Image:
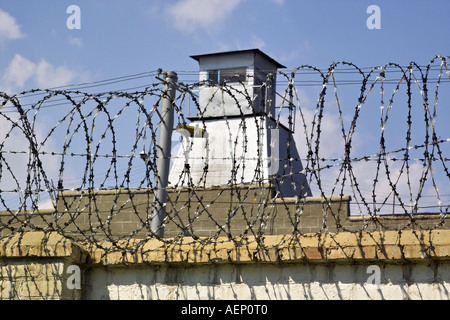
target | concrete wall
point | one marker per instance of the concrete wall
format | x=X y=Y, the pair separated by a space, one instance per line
x=36 y=279
x=296 y=281
x=214 y=211
x=376 y=265
x=37 y=266
x=308 y=248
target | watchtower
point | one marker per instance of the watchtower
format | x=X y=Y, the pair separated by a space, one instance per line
x=235 y=137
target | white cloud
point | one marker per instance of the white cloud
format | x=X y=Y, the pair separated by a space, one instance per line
x=9 y=29
x=48 y=76
x=16 y=169
x=44 y=74
x=76 y=42
x=257 y=42
x=190 y=15
x=331 y=140
x=18 y=72
x=295 y=55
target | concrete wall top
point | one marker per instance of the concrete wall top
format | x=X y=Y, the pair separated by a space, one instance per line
x=341 y=247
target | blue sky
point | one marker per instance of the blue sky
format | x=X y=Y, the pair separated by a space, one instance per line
x=120 y=38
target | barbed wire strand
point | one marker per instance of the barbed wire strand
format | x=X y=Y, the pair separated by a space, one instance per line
x=96 y=165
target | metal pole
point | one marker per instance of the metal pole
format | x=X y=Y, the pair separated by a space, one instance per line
x=163 y=154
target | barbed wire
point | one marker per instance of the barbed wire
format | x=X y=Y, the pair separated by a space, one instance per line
x=89 y=170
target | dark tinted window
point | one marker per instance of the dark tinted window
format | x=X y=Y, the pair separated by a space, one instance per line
x=233 y=75
x=227 y=75
x=213 y=76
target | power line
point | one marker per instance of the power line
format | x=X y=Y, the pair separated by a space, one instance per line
x=98 y=83
x=181 y=73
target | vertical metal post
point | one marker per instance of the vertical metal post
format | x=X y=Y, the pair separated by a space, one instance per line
x=163 y=154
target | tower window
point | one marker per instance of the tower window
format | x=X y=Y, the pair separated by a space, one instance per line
x=232 y=75
x=213 y=76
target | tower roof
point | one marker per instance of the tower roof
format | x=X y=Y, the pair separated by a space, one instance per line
x=254 y=51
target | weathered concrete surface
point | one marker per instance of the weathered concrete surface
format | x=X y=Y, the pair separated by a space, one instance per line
x=386 y=246
x=204 y=212
x=376 y=265
x=315 y=281
x=35 y=265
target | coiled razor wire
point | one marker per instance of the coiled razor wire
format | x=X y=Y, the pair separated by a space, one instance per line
x=78 y=168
